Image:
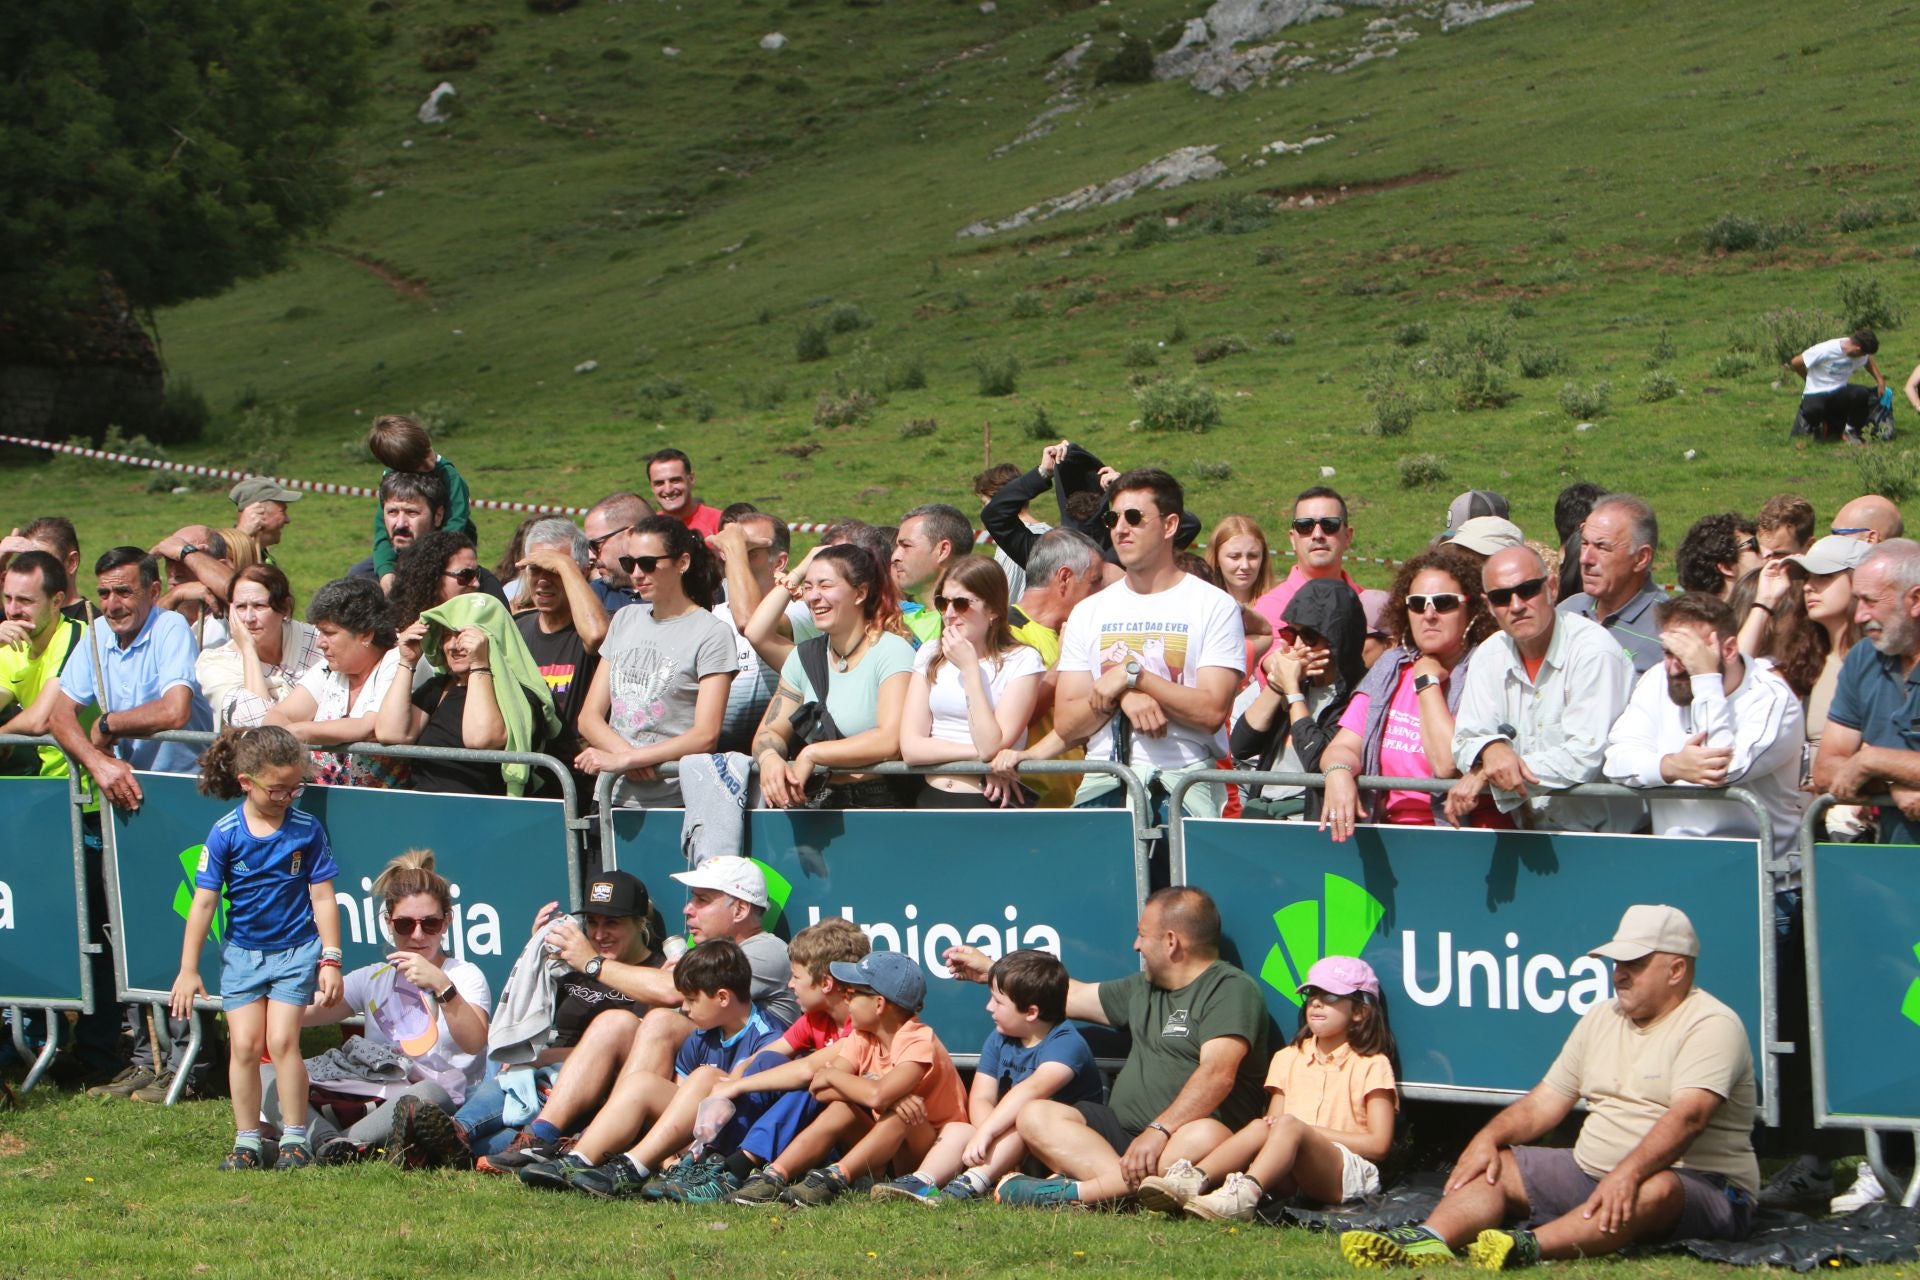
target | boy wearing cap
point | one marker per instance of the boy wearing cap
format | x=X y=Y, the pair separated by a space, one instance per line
x=890 y=1090
x=1665 y=1152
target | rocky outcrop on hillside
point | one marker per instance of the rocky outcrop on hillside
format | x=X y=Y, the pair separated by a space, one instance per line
x=1175 y=169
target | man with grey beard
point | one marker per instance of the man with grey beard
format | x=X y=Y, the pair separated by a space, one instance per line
x=1872 y=742
x=1708 y=717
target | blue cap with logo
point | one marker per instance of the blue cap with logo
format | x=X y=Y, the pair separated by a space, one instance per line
x=895 y=976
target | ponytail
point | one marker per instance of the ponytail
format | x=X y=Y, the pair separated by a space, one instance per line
x=238 y=752
x=410 y=873
x=701 y=581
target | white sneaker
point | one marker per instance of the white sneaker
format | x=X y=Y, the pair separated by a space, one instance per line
x=1235 y=1201
x=1802 y=1179
x=1866 y=1190
x=1171 y=1191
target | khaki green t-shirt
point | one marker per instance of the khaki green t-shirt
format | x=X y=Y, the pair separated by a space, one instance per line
x=1628 y=1076
x=1168 y=1028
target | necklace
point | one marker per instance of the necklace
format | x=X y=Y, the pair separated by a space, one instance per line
x=840 y=660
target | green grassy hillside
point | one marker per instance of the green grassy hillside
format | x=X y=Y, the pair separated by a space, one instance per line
x=1524 y=196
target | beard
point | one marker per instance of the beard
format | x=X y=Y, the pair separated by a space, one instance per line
x=1896 y=638
x=1680 y=689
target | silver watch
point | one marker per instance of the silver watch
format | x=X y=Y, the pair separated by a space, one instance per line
x=1133 y=673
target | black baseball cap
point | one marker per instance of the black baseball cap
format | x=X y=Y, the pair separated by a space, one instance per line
x=616 y=893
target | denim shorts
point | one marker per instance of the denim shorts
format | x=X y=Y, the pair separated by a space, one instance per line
x=284 y=977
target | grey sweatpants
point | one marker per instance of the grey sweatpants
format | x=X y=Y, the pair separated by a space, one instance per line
x=372 y=1130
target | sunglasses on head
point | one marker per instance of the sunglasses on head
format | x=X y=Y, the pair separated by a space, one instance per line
x=1132 y=515
x=1329 y=525
x=645 y=564
x=417 y=924
x=1439 y=602
x=959 y=604
x=1500 y=597
x=465 y=577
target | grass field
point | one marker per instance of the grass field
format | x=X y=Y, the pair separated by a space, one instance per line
x=1503 y=210
x=104 y=1189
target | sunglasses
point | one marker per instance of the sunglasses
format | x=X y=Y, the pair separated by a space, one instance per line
x=1500 y=597
x=409 y=925
x=959 y=604
x=1750 y=544
x=465 y=577
x=645 y=564
x=1847 y=533
x=1133 y=515
x=279 y=795
x=1329 y=525
x=1325 y=997
x=1439 y=602
x=594 y=544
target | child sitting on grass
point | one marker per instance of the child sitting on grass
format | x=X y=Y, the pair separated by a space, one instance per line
x=715 y=982
x=890 y=1090
x=1032 y=1052
x=401 y=444
x=1331 y=1118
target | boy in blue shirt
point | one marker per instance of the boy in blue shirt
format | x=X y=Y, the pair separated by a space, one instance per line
x=715 y=981
x=1032 y=1052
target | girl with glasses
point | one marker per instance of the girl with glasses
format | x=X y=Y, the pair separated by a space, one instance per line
x=1399 y=723
x=423 y=1003
x=282 y=928
x=973 y=691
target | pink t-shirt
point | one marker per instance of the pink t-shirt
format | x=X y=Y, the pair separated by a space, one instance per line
x=1401 y=752
x=814 y=1030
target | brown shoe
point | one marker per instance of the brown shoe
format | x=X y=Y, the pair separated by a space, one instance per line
x=132 y=1077
x=157 y=1090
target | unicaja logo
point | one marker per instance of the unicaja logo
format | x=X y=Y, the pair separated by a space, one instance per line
x=1346 y=912
x=1910 y=1007
x=183 y=893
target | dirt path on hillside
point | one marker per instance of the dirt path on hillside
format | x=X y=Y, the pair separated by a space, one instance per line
x=410 y=287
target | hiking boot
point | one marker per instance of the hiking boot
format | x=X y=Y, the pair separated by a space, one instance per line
x=553 y=1175
x=523 y=1150
x=293 y=1155
x=1801 y=1179
x=1495 y=1250
x=1235 y=1200
x=1171 y=1191
x=240 y=1158
x=763 y=1188
x=341 y=1150
x=132 y=1077
x=821 y=1187
x=156 y=1090
x=708 y=1181
x=911 y=1187
x=1866 y=1190
x=1036 y=1193
x=618 y=1179
x=1399 y=1247
x=961 y=1188
x=424 y=1136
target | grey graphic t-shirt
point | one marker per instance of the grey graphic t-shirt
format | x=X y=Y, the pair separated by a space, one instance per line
x=654 y=671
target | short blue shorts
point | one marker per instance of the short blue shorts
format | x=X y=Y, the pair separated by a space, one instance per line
x=284 y=977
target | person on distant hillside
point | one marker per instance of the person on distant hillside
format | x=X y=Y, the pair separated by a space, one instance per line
x=1784 y=526
x=610 y=517
x=670 y=472
x=404 y=446
x=1830 y=403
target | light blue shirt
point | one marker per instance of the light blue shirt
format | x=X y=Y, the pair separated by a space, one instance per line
x=160 y=657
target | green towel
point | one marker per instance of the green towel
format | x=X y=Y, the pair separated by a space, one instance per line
x=512 y=664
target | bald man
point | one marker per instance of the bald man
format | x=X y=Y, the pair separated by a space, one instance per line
x=1870 y=518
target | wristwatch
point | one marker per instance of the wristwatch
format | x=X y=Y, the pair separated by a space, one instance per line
x=187 y=549
x=1422 y=683
x=1133 y=673
x=442 y=997
x=593 y=966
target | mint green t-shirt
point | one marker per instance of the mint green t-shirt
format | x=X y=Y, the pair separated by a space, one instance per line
x=853 y=697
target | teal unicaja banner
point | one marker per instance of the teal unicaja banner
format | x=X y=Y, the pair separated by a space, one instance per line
x=919 y=882
x=1865 y=937
x=505 y=858
x=1479 y=937
x=41 y=929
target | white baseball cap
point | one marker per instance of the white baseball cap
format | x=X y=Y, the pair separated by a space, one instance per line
x=737 y=877
x=1646 y=929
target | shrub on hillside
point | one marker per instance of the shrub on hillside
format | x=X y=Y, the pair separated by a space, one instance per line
x=1663 y=350
x=1658 y=386
x=1867 y=303
x=1732 y=365
x=1210 y=349
x=179 y=417
x=1131 y=62
x=1778 y=336
x=833 y=410
x=848 y=317
x=810 y=343
x=1482 y=385
x=1541 y=361
x=1393 y=411
x=768 y=393
x=1412 y=334
x=1422 y=470
x=1213 y=472
x=1734 y=233
x=1861 y=216
x=1583 y=402
x=1233 y=215
x=918 y=428
x=1147 y=232
x=1280 y=337
x=910 y=374
x=998 y=375
x=1140 y=354
x=1027 y=305
x=1182 y=404
x=1039 y=426
x=1893 y=475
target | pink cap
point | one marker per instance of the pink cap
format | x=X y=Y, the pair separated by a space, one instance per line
x=1342 y=976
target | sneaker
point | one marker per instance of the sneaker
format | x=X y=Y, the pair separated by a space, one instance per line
x=1801 y=1179
x=708 y=1181
x=553 y=1175
x=911 y=1187
x=132 y=1077
x=962 y=1188
x=240 y=1158
x=424 y=1137
x=1169 y=1192
x=293 y=1155
x=763 y=1188
x=342 y=1150
x=683 y=1169
x=618 y=1179
x=1400 y=1247
x=524 y=1150
x=1495 y=1250
x=1866 y=1190
x=1234 y=1201
x=821 y=1187
x=1036 y=1193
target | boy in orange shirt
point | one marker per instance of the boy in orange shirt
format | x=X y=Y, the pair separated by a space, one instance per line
x=890 y=1090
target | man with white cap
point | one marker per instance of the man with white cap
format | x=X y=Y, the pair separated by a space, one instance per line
x=1475 y=504
x=1484 y=535
x=1665 y=1152
x=728 y=899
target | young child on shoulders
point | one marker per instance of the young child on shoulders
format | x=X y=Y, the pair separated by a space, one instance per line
x=282 y=939
x=1331 y=1118
x=1032 y=1052
x=890 y=1091
x=715 y=982
x=400 y=443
